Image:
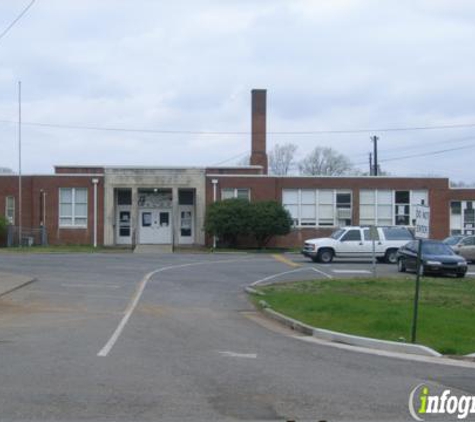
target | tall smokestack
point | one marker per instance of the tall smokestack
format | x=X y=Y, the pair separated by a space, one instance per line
x=259 y=153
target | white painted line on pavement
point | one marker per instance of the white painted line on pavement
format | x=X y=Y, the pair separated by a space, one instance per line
x=97 y=286
x=238 y=355
x=138 y=294
x=351 y=271
x=255 y=283
x=322 y=272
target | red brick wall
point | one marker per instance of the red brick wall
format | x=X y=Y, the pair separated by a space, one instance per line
x=270 y=188
x=31 y=205
x=78 y=170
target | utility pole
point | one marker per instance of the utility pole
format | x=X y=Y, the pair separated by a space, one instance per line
x=370 y=164
x=19 y=169
x=375 y=146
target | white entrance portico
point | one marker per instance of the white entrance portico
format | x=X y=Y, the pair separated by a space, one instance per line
x=154 y=206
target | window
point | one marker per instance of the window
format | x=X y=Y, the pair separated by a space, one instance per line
x=462 y=217
x=73 y=207
x=351 y=236
x=388 y=208
x=367 y=235
x=124 y=197
x=397 y=233
x=241 y=193
x=402 y=208
x=185 y=197
x=308 y=211
x=456 y=208
x=318 y=207
x=10 y=209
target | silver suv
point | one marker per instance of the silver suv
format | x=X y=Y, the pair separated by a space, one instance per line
x=356 y=242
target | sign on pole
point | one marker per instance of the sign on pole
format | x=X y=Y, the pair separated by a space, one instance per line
x=421 y=233
x=422 y=222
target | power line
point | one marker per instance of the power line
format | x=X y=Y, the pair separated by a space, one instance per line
x=231 y=158
x=442 y=151
x=419 y=145
x=16 y=19
x=246 y=133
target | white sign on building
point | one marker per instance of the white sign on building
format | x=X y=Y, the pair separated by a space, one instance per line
x=422 y=221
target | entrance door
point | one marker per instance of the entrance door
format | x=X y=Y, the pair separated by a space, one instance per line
x=123 y=229
x=186 y=234
x=155 y=227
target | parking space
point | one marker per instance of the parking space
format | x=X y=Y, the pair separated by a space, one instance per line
x=342 y=268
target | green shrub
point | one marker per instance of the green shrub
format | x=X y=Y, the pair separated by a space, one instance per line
x=269 y=218
x=232 y=218
x=3 y=225
x=228 y=219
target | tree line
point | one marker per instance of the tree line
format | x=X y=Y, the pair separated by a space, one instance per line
x=321 y=161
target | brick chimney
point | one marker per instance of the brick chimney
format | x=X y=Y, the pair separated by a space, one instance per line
x=259 y=153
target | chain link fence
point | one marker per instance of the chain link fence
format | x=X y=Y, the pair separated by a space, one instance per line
x=30 y=236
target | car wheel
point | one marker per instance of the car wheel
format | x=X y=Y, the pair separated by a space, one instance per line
x=401 y=265
x=391 y=256
x=325 y=256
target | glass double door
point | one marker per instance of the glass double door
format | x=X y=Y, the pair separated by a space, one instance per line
x=155 y=227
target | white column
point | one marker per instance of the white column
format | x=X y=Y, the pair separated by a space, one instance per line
x=134 y=216
x=215 y=188
x=175 y=217
x=95 y=182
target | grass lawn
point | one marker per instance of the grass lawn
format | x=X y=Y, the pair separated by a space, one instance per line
x=383 y=309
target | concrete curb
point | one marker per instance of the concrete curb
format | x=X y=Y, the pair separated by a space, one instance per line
x=22 y=282
x=352 y=340
x=252 y=291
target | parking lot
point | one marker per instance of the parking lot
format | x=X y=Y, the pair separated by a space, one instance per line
x=144 y=337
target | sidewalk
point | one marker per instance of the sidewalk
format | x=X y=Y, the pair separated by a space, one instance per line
x=11 y=282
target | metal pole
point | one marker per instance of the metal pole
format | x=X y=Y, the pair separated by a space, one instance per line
x=19 y=169
x=370 y=164
x=420 y=269
x=215 y=187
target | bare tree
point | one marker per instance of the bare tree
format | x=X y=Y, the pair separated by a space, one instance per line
x=325 y=161
x=281 y=158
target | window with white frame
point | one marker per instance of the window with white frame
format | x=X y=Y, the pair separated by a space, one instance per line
x=385 y=207
x=10 y=209
x=462 y=217
x=73 y=207
x=318 y=207
x=241 y=193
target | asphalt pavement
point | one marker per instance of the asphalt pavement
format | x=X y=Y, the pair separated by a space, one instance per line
x=181 y=341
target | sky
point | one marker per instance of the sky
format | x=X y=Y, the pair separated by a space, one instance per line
x=184 y=70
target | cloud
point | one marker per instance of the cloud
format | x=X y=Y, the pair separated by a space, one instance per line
x=190 y=66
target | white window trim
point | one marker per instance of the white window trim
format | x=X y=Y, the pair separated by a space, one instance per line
x=317 y=204
x=11 y=218
x=235 y=193
x=73 y=210
x=393 y=204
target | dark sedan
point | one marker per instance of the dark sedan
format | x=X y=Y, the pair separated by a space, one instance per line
x=437 y=258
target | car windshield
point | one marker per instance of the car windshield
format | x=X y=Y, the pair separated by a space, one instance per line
x=337 y=234
x=436 y=248
x=452 y=240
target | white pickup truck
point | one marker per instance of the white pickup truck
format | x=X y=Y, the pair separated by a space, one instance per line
x=356 y=242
